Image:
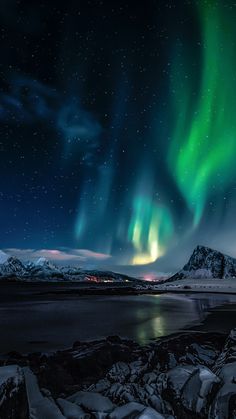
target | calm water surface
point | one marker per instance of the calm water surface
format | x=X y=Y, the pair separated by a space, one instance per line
x=29 y=322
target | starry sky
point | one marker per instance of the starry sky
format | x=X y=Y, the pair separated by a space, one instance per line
x=118 y=130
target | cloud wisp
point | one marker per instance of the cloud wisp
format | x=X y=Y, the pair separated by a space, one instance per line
x=62 y=256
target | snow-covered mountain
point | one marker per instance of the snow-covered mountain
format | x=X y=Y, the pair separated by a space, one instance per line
x=207 y=263
x=12 y=267
x=44 y=270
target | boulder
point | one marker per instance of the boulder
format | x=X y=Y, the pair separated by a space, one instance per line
x=92 y=402
x=13 y=400
x=190 y=389
x=128 y=410
x=176 y=379
x=40 y=407
x=72 y=410
x=198 y=390
x=150 y=413
x=224 y=405
x=228 y=373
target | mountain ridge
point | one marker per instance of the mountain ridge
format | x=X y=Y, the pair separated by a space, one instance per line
x=12 y=268
x=206 y=262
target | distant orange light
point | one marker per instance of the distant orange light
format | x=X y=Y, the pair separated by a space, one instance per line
x=92 y=278
x=149 y=277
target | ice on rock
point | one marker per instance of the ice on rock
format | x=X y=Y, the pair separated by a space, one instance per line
x=40 y=407
x=72 y=410
x=10 y=373
x=150 y=413
x=13 y=401
x=177 y=377
x=191 y=387
x=228 y=373
x=131 y=409
x=196 y=392
x=156 y=402
x=93 y=402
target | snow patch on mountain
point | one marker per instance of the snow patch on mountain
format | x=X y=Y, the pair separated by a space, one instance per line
x=41 y=262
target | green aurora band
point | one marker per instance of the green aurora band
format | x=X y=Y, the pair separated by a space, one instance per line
x=150 y=229
x=203 y=148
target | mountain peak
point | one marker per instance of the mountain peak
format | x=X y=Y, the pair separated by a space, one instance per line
x=13 y=260
x=201 y=248
x=12 y=267
x=207 y=263
x=42 y=262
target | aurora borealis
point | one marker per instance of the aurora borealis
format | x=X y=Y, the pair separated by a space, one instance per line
x=118 y=129
x=203 y=146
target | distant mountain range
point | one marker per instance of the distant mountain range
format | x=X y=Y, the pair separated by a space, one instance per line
x=12 y=268
x=207 y=263
x=203 y=263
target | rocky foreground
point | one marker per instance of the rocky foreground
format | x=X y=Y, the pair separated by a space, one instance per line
x=190 y=375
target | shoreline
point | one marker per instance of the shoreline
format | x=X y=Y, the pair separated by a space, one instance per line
x=52 y=316
x=61 y=288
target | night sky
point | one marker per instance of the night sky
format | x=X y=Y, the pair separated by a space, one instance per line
x=118 y=130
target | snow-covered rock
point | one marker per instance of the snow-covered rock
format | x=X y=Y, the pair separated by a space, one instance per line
x=13 y=401
x=207 y=263
x=224 y=405
x=191 y=389
x=228 y=373
x=146 y=385
x=93 y=402
x=197 y=392
x=71 y=410
x=149 y=413
x=40 y=407
x=226 y=361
